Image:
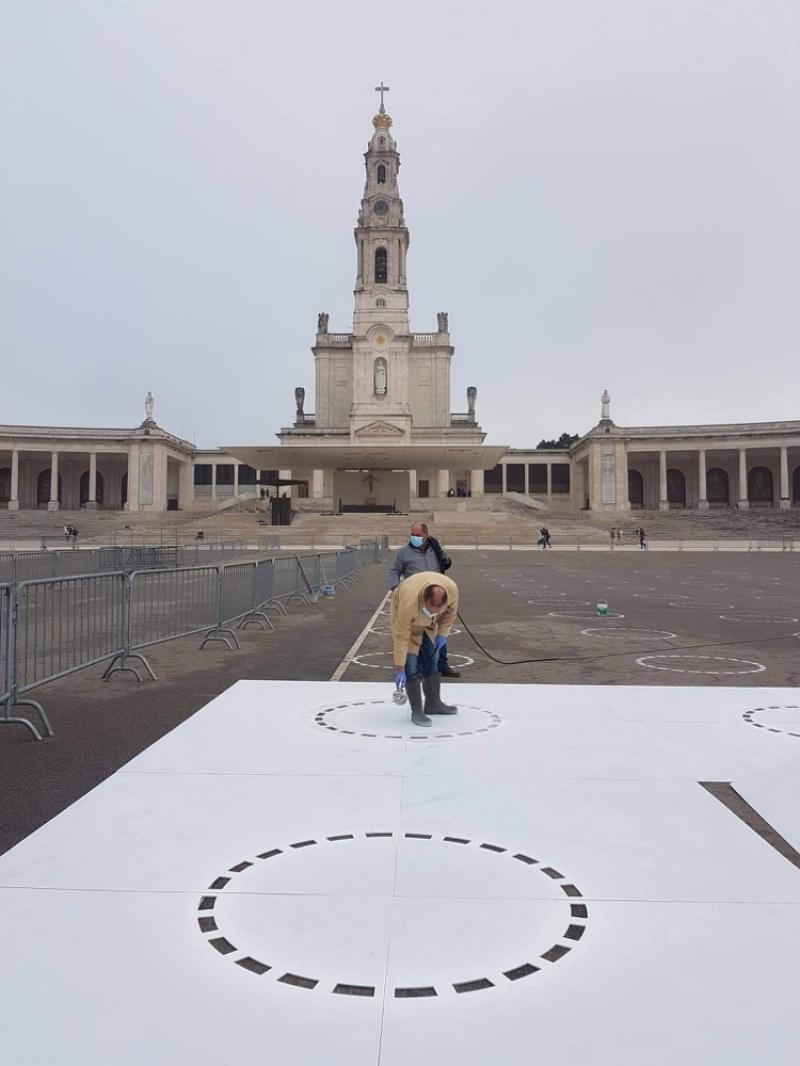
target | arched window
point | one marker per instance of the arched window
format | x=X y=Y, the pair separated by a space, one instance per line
x=759 y=485
x=635 y=488
x=381 y=174
x=43 y=488
x=380 y=265
x=676 y=487
x=718 y=486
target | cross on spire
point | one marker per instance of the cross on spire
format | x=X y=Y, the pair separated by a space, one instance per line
x=382 y=89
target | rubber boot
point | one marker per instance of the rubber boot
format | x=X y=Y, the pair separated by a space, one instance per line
x=414 y=693
x=433 y=700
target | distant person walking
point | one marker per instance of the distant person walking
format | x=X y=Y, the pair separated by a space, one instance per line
x=642 y=538
x=422 y=553
x=612 y=534
x=544 y=538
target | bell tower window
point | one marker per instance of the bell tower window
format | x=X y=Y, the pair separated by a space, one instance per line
x=381 y=174
x=380 y=265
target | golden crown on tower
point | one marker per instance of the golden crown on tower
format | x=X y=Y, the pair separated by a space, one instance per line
x=382 y=121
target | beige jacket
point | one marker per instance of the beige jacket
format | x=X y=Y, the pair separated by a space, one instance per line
x=407 y=621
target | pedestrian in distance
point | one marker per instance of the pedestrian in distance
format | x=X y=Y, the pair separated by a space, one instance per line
x=423 y=610
x=612 y=537
x=422 y=553
x=642 y=539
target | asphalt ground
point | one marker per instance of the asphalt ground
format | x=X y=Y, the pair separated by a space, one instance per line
x=535 y=604
x=520 y=605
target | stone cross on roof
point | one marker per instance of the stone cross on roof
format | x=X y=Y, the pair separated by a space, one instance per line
x=382 y=89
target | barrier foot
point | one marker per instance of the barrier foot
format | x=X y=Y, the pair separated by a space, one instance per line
x=118 y=665
x=225 y=636
x=12 y=720
x=297 y=596
x=17 y=720
x=275 y=605
x=258 y=618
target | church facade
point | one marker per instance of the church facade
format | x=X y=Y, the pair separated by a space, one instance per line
x=383 y=436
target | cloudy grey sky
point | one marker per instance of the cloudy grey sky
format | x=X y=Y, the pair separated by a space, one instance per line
x=600 y=194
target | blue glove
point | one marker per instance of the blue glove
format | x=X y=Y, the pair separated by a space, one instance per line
x=440 y=642
x=400 y=678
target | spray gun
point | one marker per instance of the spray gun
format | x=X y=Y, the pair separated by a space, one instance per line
x=399 y=695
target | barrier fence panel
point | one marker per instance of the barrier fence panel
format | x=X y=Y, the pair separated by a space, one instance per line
x=237 y=591
x=285 y=577
x=64 y=624
x=5 y=643
x=262 y=582
x=171 y=603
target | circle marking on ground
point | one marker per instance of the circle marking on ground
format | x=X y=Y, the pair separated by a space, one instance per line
x=753 y=667
x=361 y=718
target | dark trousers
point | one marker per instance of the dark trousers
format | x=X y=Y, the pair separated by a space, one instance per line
x=426 y=662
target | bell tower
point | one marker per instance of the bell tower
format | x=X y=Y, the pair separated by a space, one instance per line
x=382 y=239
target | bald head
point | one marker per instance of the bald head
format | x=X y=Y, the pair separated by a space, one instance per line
x=435 y=597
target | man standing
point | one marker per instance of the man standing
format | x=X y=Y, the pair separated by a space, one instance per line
x=423 y=553
x=423 y=610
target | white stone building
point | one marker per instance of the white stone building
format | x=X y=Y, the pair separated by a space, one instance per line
x=383 y=436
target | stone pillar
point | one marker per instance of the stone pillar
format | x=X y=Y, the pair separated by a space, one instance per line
x=663 y=500
x=702 y=500
x=213 y=481
x=185 y=485
x=476 y=482
x=549 y=482
x=235 y=479
x=317 y=484
x=444 y=482
x=527 y=480
x=133 y=479
x=13 y=503
x=786 y=501
x=504 y=474
x=53 y=504
x=744 y=503
x=412 y=484
x=91 y=503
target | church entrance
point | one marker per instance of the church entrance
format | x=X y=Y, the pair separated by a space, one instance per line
x=378 y=491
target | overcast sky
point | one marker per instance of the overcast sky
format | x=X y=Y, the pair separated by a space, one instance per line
x=601 y=195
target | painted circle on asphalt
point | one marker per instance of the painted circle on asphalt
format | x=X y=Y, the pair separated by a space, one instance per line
x=756 y=618
x=629 y=633
x=701 y=664
x=386 y=632
x=383 y=719
x=264 y=914
x=582 y=617
x=456 y=661
x=694 y=605
x=776 y=718
x=659 y=596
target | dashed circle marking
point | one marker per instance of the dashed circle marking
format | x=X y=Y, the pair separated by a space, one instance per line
x=748 y=717
x=583 y=617
x=328 y=719
x=757 y=618
x=753 y=667
x=209 y=923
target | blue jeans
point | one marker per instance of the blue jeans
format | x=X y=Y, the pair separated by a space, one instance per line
x=426 y=662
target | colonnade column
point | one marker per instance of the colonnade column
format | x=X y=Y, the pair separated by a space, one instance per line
x=663 y=498
x=476 y=482
x=444 y=482
x=786 y=501
x=526 y=468
x=412 y=484
x=504 y=473
x=317 y=484
x=744 y=503
x=213 y=481
x=549 y=482
x=91 y=502
x=53 y=504
x=13 y=503
x=702 y=490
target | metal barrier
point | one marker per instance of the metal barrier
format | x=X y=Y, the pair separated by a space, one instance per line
x=53 y=626
x=770 y=544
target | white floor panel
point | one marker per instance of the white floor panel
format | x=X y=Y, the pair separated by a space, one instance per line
x=296 y=874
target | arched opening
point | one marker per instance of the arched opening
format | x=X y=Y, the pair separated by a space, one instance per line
x=676 y=487
x=796 y=485
x=380 y=265
x=84 y=488
x=635 y=488
x=759 y=485
x=5 y=484
x=718 y=489
x=381 y=174
x=43 y=488
x=124 y=489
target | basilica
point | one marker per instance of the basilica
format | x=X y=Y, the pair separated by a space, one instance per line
x=383 y=436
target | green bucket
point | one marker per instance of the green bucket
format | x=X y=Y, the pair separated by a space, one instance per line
x=602 y=607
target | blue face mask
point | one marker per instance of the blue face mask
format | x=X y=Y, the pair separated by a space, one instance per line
x=416 y=542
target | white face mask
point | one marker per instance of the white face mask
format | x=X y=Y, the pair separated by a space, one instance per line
x=430 y=615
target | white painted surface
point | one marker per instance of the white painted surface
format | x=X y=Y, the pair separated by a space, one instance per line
x=689 y=913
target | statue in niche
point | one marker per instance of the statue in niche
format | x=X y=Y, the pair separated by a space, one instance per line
x=472 y=395
x=379 y=377
x=441 y=319
x=300 y=399
x=148 y=406
x=322 y=322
